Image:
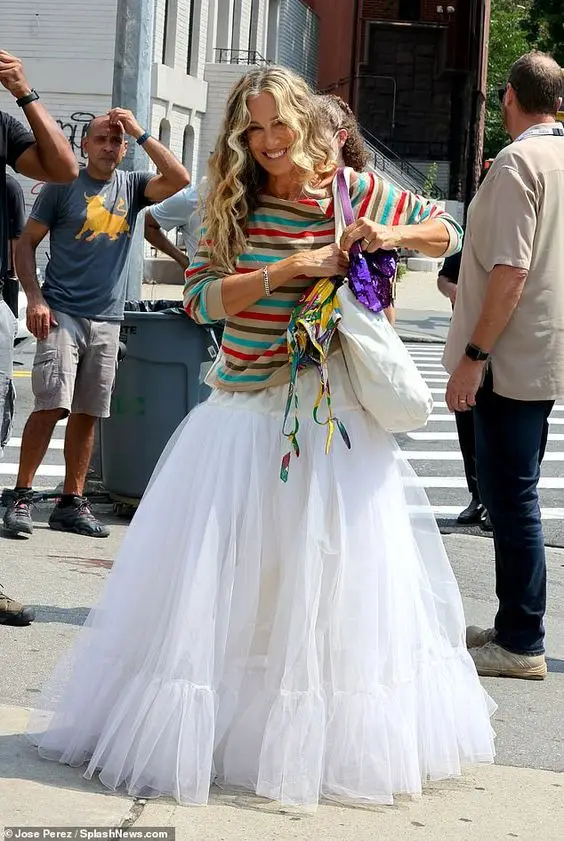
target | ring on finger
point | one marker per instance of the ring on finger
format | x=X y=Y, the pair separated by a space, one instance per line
x=367 y=241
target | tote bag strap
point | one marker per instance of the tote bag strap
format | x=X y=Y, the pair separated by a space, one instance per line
x=344 y=197
x=343 y=203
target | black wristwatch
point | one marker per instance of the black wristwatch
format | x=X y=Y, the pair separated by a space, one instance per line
x=475 y=353
x=32 y=96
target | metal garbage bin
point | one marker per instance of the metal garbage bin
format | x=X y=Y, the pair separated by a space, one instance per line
x=159 y=380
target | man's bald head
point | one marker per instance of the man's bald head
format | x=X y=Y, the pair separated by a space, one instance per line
x=537 y=80
x=102 y=124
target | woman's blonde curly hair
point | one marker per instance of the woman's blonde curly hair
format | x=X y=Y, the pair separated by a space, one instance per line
x=235 y=178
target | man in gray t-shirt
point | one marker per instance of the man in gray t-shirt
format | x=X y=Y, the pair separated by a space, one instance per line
x=90 y=224
x=76 y=315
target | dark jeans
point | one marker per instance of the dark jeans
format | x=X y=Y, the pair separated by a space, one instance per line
x=511 y=437
x=467 y=441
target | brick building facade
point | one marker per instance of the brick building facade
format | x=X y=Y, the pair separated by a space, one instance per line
x=414 y=71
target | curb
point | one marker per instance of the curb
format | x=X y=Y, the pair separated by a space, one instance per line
x=418 y=339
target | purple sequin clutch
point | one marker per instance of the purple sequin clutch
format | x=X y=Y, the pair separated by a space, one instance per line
x=371 y=276
x=370 y=273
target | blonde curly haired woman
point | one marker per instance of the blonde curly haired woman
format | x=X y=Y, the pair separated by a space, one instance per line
x=299 y=640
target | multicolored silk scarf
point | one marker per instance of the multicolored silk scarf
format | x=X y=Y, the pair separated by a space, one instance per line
x=312 y=325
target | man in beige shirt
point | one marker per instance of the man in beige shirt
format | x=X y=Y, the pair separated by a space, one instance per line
x=505 y=353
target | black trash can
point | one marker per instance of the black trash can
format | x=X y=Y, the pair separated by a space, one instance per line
x=159 y=380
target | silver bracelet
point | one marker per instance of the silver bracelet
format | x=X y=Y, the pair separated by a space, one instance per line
x=266 y=281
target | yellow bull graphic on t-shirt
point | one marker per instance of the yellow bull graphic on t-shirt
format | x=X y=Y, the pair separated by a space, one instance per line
x=101 y=221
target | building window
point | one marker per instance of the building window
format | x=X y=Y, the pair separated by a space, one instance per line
x=225 y=24
x=190 y=62
x=410 y=10
x=253 y=29
x=188 y=149
x=169 y=34
x=273 y=29
x=235 y=25
x=165 y=27
x=164 y=133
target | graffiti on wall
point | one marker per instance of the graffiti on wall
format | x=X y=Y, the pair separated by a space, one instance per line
x=75 y=128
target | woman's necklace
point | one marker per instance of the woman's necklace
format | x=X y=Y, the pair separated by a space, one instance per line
x=292 y=196
x=306 y=191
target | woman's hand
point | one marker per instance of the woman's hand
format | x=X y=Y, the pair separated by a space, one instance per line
x=371 y=235
x=324 y=262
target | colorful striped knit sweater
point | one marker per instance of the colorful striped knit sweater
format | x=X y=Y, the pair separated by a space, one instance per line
x=254 y=351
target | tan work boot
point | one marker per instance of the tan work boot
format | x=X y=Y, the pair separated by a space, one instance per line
x=492 y=660
x=477 y=637
x=14 y=613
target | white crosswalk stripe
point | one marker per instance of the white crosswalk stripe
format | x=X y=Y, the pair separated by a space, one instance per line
x=434 y=454
x=52 y=469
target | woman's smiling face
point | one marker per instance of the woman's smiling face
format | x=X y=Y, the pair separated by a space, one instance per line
x=268 y=138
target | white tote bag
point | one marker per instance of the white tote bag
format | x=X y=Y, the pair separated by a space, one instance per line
x=384 y=377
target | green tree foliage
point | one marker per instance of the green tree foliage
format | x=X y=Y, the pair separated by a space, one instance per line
x=508 y=40
x=545 y=27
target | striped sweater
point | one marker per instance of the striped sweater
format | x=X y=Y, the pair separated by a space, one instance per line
x=254 y=351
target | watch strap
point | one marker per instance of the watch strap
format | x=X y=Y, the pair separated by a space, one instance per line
x=144 y=137
x=32 y=96
x=475 y=353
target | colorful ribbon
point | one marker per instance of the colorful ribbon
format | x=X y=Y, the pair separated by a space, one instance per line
x=312 y=325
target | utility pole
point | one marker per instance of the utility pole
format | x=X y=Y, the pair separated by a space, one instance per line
x=132 y=89
x=133 y=60
x=479 y=94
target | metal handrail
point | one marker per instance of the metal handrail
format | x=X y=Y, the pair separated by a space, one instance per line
x=246 y=57
x=389 y=161
x=385 y=166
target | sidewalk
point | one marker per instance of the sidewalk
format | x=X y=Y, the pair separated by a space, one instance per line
x=490 y=802
x=423 y=314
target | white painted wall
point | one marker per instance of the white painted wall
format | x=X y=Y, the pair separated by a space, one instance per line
x=220 y=79
x=67 y=47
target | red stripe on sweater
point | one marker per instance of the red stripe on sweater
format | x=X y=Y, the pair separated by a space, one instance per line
x=252 y=357
x=368 y=197
x=399 y=208
x=190 y=272
x=271 y=232
x=265 y=316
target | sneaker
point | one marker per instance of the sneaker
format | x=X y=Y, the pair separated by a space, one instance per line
x=14 y=613
x=17 y=518
x=478 y=637
x=492 y=660
x=77 y=518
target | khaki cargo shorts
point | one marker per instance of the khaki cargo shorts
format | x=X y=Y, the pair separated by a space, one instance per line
x=75 y=366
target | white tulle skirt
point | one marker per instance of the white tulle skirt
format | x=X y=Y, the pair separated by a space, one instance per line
x=301 y=640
